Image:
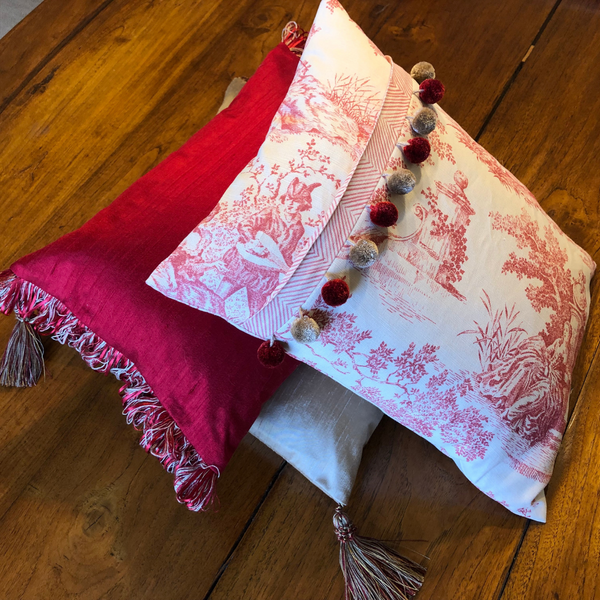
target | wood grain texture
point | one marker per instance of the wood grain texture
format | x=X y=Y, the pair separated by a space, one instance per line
x=13 y=12
x=561 y=559
x=84 y=513
x=405 y=491
x=97 y=519
x=475 y=48
x=38 y=38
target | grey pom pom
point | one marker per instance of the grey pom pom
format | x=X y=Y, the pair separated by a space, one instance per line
x=305 y=330
x=424 y=121
x=422 y=71
x=401 y=181
x=363 y=254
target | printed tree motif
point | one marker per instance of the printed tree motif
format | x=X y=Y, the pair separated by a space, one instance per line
x=446 y=233
x=558 y=290
x=266 y=188
x=527 y=379
x=411 y=366
x=379 y=357
x=333 y=5
x=343 y=112
x=411 y=386
x=380 y=194
x=439 y=147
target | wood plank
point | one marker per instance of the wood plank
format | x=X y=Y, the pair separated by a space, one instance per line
x=98 y=518
x=13 y=12
x=83 y=511
x=405 y=491
x=157 y=69
x=475 y=48
x=38 y=37
x=561 y=559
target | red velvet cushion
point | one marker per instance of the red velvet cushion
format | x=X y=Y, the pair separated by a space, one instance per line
x=204 y=372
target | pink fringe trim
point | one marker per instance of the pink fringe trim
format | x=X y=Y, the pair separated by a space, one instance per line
x=294 y=37
x=195 y=481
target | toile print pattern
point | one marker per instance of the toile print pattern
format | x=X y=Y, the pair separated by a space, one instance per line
x=237 y=260
x=466 y=329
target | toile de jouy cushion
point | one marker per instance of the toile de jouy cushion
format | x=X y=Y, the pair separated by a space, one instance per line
x=465 y=328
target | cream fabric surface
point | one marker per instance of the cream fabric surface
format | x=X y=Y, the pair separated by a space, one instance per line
x=320 y=428
x=467 y=327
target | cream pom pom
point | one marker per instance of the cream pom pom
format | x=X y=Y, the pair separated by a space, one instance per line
x=305 y=330
x=422 y=71
x=363 y=254
x=424 y=121
x=401 y=181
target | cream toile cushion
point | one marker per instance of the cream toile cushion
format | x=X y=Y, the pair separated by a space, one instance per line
x=465 y=329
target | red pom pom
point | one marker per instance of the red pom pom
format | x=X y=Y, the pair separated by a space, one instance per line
x=431 y=91
x=418 y=149
x=384 y=214
x=271 y=356
x=335 y=292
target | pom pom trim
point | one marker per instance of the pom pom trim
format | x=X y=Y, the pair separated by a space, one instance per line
x=417 y=150
x=384 y=214
x=270 y=354
x=335 y=292
x=431 y=91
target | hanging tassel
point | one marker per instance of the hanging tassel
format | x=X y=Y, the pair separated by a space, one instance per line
x=294 y=37
x=373 y=571
x=23 y=361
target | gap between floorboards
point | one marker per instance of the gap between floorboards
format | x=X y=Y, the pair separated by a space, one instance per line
x=54 y=52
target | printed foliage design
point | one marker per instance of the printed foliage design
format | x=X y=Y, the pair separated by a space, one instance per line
x=429 y=259
x=245 y=252
x=343 y=111
x=520 y=390
x=429 y=336
x=527 y=378
x=422 y=393
x=439 y=146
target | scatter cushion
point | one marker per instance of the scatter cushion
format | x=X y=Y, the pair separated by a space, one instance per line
x=320 y=428
x=466 y=328
x=191 y=381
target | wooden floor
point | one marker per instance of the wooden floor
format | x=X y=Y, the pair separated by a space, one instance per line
x=93 y=93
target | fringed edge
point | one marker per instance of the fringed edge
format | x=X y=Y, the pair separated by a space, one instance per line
x=294 y=37
x=195 y=481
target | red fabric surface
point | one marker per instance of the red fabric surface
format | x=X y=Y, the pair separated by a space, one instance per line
x=204 y=371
